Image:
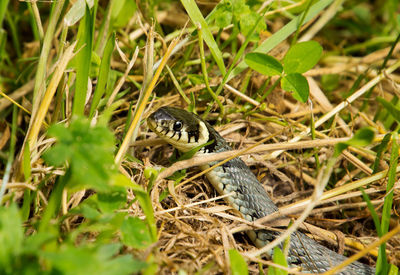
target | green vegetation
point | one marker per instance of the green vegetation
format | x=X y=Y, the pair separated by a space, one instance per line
x=81 y=189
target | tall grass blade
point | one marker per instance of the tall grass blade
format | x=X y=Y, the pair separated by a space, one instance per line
x=83 y=58
x=382 y=263
x=103 y=74
x=197 y=18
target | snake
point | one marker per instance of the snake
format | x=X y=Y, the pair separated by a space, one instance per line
x=186 y=131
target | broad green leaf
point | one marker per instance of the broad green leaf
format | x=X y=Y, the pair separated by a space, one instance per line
x=222 y=14
x=11 y=236
x=283 y=33
x=145 y=203
x=247 y=22
x=35 y=242
x=239 y=8
x=112 y=200
x=362 y=137
x=102 y=260
x=392 y=109
x=394 y=270
x=88 y=150
x=238 y=264
x=278 y=258
x=263 y=63
x=135 y=233
x=297 y=84
x=302 y=57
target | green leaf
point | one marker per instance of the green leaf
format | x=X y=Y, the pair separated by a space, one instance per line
x=278 y=258
x=238 y=264
x=394 y=270
x=111 y=200
x=144 y=201
x=247 y=23
x=392 y=109
x=100 y=260
x=283 y=33
x=135 y=233
x=11 y=237
x=222 y=14
x=263 y=63
x=297 y=84
x=88 y=150
x=302 y=57
x=239 y=8
x=362 y=137
x=197 y=18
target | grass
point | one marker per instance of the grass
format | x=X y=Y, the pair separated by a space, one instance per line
x=81 y=188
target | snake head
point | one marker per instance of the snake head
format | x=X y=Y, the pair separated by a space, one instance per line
x=178 y=127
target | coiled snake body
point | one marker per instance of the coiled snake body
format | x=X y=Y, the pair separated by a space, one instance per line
x=186 y=131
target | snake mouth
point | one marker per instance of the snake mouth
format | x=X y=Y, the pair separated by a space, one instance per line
x=152 y=125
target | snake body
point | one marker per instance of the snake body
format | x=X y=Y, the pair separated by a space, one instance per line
x=186 y=131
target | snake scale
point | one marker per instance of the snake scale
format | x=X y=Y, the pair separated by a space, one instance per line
x=185 y=131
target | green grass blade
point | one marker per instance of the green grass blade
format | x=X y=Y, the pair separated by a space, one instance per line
x=145 y=202
x=283 y=33
x=382 y=264
x=379 y=151
x=26 y=164
x=14 y=33
x=3 y=42
x=392 y=109
x=371 y=209
x=197 y=18
x=278 y=258
x=3 y=9
x=40 y=77
x=238 y=264
x=83 y=58
x=77 y=11
x=54 y=202
x=103 y=74
x=3 y=33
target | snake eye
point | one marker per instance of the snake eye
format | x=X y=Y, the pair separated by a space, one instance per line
x=177 y=126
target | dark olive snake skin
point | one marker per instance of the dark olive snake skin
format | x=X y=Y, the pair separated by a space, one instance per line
x=178 y=126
